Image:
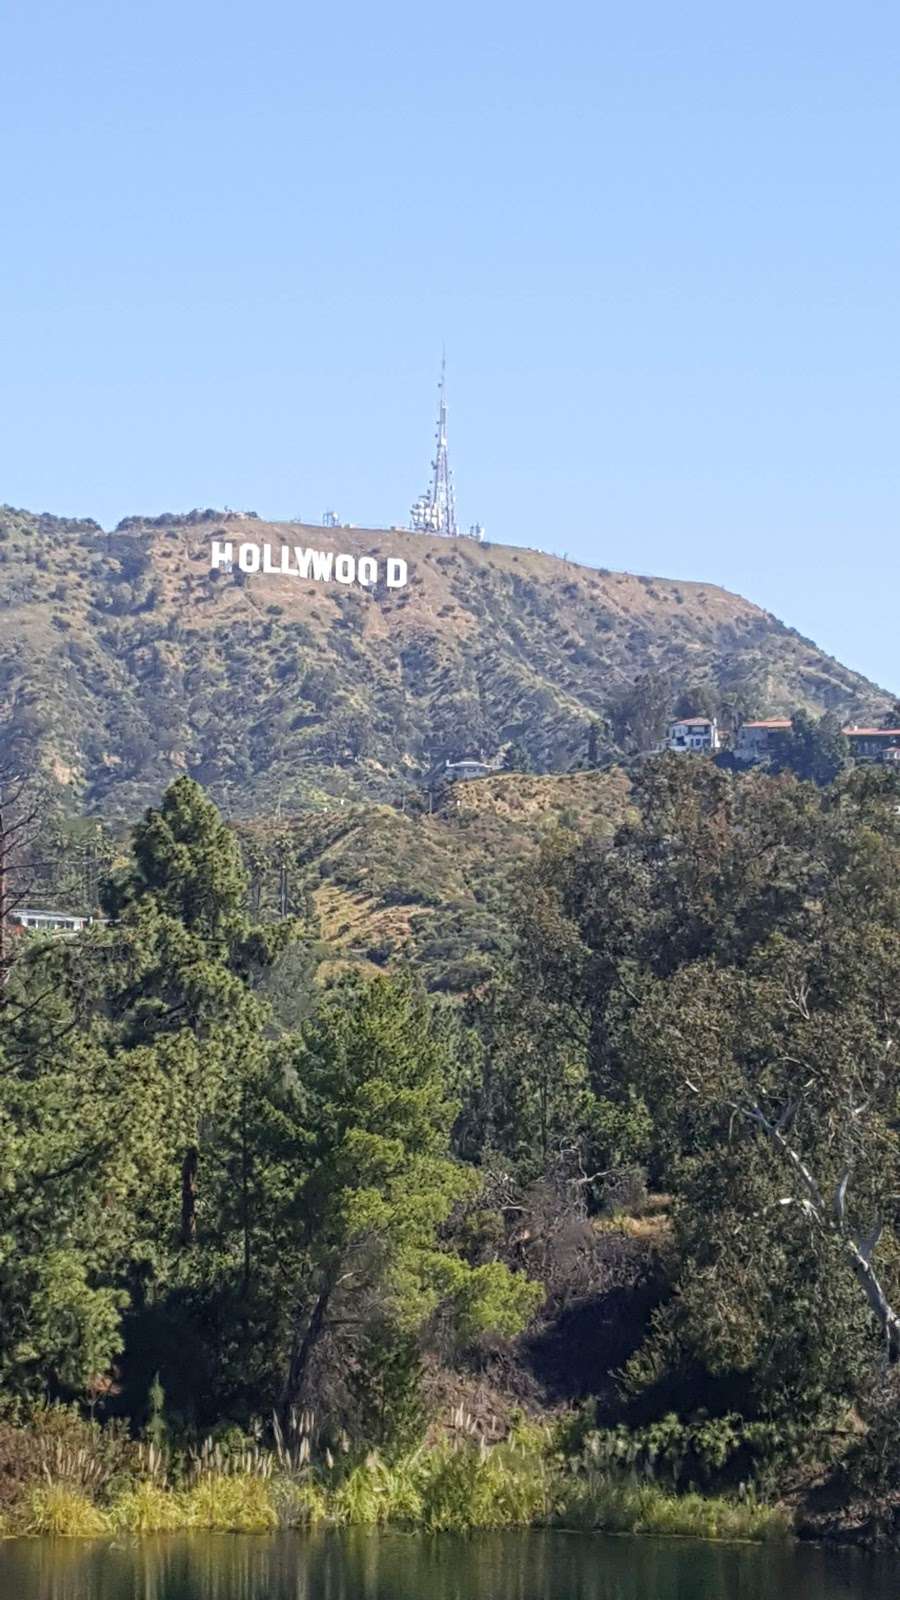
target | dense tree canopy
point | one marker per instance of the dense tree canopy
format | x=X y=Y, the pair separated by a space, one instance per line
x=732 y=965
x=190 y=1188
x=248 y=1187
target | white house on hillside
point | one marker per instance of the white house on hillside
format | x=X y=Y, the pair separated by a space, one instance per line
x=456 y=771
x=693 y=733
x=40 y=921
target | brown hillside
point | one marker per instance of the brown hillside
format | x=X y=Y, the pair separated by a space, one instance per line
x=124 y=661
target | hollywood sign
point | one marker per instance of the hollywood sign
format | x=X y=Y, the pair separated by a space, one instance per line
x=293 y=561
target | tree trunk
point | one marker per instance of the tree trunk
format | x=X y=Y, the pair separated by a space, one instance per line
x=304 y=1343
x=874 y=1293
x=833 y=1219
x=189 y=1196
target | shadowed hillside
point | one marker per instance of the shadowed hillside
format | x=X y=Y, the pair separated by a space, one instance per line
x=124 y=661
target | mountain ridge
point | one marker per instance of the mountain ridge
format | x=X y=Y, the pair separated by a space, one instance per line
x=124 y=660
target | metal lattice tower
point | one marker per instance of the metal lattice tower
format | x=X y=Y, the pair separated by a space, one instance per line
x=435 y=512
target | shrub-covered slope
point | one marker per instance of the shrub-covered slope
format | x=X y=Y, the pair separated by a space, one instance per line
x=124 y=661
x=436 y=889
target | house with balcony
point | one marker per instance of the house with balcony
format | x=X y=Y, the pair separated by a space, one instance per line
x=694 y=734
x=756 y=741
x=871 y=744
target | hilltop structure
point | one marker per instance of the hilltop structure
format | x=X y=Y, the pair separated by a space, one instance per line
x=435 y=510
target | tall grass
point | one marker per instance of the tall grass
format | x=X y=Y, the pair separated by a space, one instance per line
x=230 y=1503
x=617 y=1505
x=147 y=1507
x=453 y=1486
x=57 y=1510
x=476 y=1487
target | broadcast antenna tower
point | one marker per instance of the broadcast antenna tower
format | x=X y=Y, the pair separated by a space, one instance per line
x=435 y=512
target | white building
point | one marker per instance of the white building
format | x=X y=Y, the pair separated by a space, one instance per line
x=693 y=733
x=454 y=771
x=49 y=921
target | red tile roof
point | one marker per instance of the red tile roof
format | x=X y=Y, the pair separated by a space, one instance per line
x=869 y=733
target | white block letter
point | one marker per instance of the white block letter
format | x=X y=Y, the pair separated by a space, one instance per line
x=396 y=572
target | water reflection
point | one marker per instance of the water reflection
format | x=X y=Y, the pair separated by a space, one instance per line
x=394 y=1566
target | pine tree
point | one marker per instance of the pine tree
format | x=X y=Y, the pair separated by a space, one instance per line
x=377 y=1180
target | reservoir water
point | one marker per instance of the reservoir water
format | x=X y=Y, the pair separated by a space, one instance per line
x=360 y=1565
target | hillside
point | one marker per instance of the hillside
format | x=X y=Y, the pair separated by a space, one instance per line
x=124 y=661
x=435 y=889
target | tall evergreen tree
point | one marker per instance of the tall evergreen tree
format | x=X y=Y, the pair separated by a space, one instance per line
x=369 y=1180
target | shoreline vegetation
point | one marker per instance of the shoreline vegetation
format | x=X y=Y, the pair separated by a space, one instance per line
x=448 y=1486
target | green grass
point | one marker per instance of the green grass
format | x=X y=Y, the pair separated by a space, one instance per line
x=55 y=1509
x=478 y=1488
x=611 y=1505
x=147 y=1508
x=445 y=1489
x=223 y=1503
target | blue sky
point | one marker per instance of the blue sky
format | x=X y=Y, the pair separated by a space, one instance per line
x=661 y=244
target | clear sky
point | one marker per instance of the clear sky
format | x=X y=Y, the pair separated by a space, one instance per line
x=661 y=243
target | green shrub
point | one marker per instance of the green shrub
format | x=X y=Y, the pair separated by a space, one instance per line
x=147 y=1508
x=473 y=1487
x=56 y=1444
x=374 y=1492
x=298 y=1505
x=54 y=1509
x=602 y=1503
x=707 y=1453
x=238 y=1503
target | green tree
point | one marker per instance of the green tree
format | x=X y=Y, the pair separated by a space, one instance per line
x=733 y=963
x=134 y=1058
x=517 y=758
x=639 y=711
x=816 y=751
x=369 y=1181
x=82 y=1145
x=700 y=700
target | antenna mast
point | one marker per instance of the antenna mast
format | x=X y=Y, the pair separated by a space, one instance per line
x=435 y=512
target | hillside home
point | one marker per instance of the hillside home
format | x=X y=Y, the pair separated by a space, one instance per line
x=871 y=744
x=49 y=921
x=693 y=733
x=757 y=740
x=456 y=771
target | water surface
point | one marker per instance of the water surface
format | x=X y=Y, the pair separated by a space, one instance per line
x=395 y=1566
